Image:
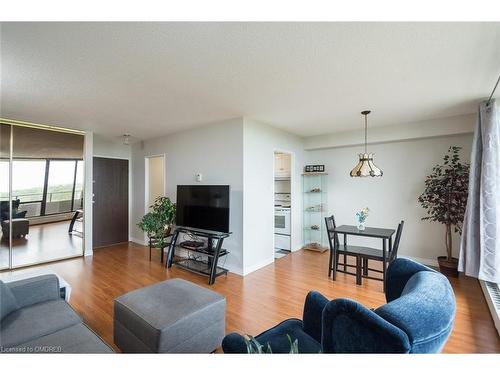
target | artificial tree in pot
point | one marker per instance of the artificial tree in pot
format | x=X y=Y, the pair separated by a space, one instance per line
x=157 y=223
x=445 y=199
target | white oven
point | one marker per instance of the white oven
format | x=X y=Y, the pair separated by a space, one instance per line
x=282 y=221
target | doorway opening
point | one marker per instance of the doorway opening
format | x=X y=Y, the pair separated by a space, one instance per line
x=282 y=204
x=155 y=179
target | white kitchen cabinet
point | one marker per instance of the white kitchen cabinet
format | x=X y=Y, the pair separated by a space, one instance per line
x=282 y=165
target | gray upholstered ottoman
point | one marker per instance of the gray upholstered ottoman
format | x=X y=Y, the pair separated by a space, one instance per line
x=174 y=316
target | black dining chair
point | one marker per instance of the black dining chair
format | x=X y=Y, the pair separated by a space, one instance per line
x=377 y=255
x=337 y=249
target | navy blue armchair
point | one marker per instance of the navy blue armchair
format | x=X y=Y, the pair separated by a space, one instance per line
x=417 y=318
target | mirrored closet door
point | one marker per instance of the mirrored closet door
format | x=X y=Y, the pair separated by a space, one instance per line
x=41 y=195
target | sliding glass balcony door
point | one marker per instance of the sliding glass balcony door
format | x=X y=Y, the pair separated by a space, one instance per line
x=41 y=188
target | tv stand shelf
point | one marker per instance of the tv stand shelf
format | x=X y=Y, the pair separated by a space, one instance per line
x=200 y=267
x=203 y=250
x=213 y=251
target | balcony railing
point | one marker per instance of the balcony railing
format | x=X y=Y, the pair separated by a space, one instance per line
x=56 y=203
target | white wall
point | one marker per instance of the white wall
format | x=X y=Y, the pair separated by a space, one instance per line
x=110 y=147
x=215 y=150
x=392 y=197
x=463 y=124
x=88 y=191
x=260 y=141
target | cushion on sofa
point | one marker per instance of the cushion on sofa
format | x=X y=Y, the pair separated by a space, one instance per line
x=35 y=321
x=8 y=302
x=75 y=339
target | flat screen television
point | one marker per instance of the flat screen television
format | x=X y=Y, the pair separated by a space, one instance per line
x=203 y=207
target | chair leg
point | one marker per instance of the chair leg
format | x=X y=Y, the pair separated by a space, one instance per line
x=330 y=263
x=150 y=252
x=335 y=265
x=345 y=262
x=365 y=267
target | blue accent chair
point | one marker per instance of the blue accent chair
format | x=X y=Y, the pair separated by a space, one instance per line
x=417 y=318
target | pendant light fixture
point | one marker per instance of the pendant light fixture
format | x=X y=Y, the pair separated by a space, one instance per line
x=366 y=167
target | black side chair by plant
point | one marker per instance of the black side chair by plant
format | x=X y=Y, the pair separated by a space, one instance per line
x=154 y=243
x=377 y=255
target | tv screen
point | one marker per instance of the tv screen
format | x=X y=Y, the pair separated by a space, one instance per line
x=203 y=207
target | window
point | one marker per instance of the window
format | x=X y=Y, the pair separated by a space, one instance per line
x=28 y=179
x=4 y=181
x=44 y=186
x=60 y=186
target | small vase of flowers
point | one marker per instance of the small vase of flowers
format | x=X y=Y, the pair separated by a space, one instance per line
x=361 y=218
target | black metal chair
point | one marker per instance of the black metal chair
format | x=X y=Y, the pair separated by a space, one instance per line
x=154 y=243
x=16 y=214
x=377 y=255
x=337 y=249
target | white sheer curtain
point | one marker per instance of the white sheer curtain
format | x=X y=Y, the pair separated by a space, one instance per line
x=480 y=246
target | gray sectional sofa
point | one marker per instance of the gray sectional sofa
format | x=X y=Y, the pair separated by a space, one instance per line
x=34 y=319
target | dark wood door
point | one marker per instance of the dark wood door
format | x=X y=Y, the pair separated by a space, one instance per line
x=110 y=215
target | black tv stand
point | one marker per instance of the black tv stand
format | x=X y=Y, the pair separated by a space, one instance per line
x=213 y=251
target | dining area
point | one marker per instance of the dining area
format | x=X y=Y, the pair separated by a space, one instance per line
x=362 y=262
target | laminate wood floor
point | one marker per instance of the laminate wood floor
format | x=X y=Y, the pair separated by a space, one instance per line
x=260 y=299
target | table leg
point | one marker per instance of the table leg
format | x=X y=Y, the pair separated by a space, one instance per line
x=384 y=260
x=345 y=255
x=390 y=248
x=358 y=270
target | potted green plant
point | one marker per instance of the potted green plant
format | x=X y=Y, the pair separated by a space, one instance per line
x=157 y=223
x=445 y=199
x=254 y=347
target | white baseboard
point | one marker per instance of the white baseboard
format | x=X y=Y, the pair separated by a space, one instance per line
x=138 y=241
x=233 y=269
x=257 y=266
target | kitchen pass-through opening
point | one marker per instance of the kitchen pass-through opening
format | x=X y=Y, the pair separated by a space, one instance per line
x=282 y=204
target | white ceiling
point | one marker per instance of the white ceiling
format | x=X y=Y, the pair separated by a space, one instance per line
x=151 y=79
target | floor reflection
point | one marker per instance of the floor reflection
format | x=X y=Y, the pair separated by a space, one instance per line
x=44 y=243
